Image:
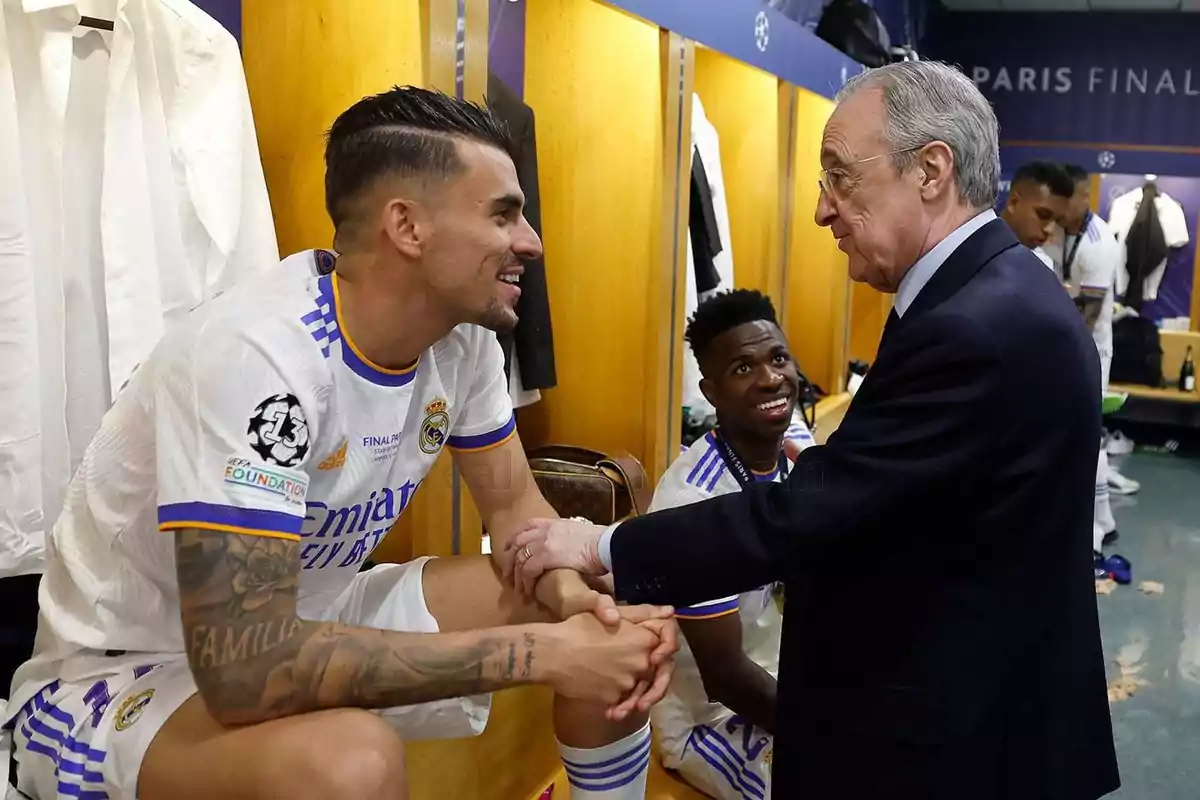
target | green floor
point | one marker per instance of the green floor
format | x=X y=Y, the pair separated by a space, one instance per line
x=1158 y=638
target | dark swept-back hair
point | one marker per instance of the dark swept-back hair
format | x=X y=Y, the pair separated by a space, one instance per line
x=1076 y=172
x=723 y=311
x=404 y=131
x=1052 y=175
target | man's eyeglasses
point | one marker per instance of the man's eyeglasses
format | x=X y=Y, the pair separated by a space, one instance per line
x=833 y=180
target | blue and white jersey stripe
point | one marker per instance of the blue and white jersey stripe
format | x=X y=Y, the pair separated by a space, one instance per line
x=709 y=467
x=50 y=731
x=322 y=321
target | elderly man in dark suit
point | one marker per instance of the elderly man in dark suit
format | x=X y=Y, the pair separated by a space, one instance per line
x=941 y=636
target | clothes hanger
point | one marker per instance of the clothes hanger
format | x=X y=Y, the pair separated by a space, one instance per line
x=96 y=22
x=1150 y=187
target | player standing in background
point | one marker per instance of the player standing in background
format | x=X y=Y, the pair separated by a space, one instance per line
x=716 y=724
x=1036 y=202
x=1088 y=257
x=205 y=630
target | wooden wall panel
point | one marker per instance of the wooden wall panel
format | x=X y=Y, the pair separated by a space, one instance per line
x=593 y=80
x=303 y=69
x=817 y=290
x=741 y=102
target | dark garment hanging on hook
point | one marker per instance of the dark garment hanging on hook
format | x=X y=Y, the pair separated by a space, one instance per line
x=533 y=338
x=1145 y=246
x=702 y=227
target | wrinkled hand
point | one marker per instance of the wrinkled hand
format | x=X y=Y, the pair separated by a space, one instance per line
x=613 y=664
x=546 y=544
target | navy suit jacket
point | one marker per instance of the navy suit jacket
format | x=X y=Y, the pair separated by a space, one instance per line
x=940 y=636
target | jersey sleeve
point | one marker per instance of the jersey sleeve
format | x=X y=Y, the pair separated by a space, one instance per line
x=486 y=417
x=1098 y=267
x=670 y=495
x=1174 y=224
x=799 y=433
x=234 y=435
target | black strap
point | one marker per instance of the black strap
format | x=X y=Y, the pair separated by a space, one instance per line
x=737 y=468
x=1069 y=257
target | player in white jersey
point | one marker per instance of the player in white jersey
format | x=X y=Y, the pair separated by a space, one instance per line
x=715 y=726
x=206 y=629
x=1088 y=256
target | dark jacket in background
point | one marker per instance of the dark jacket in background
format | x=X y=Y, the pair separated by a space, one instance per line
x=940 y=639
x=533 y=338
x=703 y=230
x=1145 y=247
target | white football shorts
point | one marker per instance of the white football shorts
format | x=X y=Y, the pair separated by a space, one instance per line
x=729 y=759
x=85 y=740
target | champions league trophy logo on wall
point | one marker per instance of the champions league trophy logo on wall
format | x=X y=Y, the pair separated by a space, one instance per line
x=762 y=31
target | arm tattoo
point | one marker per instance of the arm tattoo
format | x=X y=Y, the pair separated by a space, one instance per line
x=254 y=659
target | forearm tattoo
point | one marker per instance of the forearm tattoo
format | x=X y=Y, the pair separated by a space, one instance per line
x=254 y=659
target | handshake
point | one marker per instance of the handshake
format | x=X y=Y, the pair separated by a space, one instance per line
x=619 y=655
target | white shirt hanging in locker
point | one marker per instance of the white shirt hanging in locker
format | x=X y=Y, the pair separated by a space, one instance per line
x=1175 y=230
x=706 y=140
x=130 y=191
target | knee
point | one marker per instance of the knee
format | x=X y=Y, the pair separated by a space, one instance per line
x=356 y=755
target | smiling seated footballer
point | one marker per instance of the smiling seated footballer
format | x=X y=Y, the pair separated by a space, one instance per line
x=716 y=724
x=206 y=627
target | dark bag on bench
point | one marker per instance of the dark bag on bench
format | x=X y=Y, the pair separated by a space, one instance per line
x=1137 y=355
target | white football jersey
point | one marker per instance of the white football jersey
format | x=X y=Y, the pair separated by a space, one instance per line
x=258 y=416
x=1095 y=265
x=699 y=474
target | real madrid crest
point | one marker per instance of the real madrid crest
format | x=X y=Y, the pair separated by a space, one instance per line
x=436 y=426
x=132 y=708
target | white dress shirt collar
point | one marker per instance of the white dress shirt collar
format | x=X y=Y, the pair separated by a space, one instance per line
x=919 y=274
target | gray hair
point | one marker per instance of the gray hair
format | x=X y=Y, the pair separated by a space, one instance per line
x=927 y=101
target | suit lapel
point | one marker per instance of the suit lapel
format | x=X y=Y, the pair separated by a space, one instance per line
x=980 y=247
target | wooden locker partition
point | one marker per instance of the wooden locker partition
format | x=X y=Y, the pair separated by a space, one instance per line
x=816 y=280
x=741 y=103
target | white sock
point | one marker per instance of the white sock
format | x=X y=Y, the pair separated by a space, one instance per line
x=1103 y=515
x=615 y=771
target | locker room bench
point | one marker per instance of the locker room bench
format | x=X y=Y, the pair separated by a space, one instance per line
x=1161 y=415
x=1174 y=348
x=1151 y=411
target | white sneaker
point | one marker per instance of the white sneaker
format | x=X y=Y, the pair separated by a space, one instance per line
x=1119 y=484
x=1118 y=444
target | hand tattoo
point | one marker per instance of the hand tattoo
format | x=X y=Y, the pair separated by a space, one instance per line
x=254 y=659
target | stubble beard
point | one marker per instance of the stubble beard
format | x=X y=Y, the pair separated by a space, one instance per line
x=498 y=317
